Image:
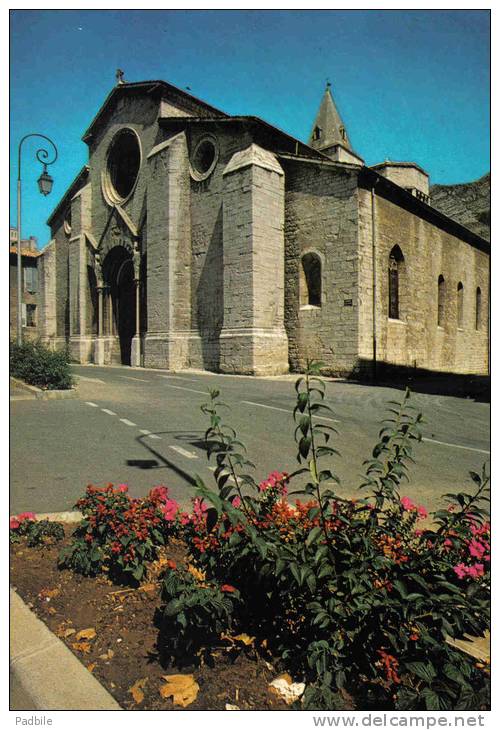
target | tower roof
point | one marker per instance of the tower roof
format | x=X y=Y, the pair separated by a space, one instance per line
x=328 y=128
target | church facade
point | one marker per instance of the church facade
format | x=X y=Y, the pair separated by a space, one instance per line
x=195 y=239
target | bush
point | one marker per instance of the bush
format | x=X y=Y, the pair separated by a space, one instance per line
x=36 y=532
x=351 y=594
x=120 y=534
x=37 y=365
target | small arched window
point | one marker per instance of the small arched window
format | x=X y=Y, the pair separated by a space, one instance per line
x=316 y=133
x=396 y=262
x=460 y=305
x=479 y=314
x=311 y=280
x=441 y=300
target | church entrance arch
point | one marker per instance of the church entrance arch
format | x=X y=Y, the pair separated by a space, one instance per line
x=119 y=281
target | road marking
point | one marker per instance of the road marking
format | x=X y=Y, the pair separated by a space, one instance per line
x=91 y=380
x=183 y=452
x=139 y=380
x=284 y=410
x=178 y=377
x=154 y=436
x=106 y=410
x=455 y=446
x=148 y=433
x=127 y=422
x=180 y=387
x=89 y=403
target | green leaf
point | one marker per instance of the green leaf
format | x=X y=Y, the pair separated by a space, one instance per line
x=423 y=670
x=313 y=536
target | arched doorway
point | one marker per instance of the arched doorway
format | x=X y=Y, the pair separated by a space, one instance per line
x=118 y=275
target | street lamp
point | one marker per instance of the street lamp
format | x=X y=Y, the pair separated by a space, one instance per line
x=45 y=182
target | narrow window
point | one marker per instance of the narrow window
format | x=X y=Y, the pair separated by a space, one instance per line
x=396 y=261
x=460 y=305
x=478 y=309
x=31 y=315
x=30 y=279
x=311 y=280
x=317 y=133
x=441 y=300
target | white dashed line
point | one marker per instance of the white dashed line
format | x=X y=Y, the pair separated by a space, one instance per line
x=284 y=410
x=178 y=377
x=455 y=446
x=106 y=410
x=183 y=452
x=127 y=422
x=89 y=403
x=192 y=390
x=145 y=431
x=154 y=436
x=139 y=380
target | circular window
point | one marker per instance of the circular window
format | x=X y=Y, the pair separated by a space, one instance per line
x=124 y=161
x=204 y=158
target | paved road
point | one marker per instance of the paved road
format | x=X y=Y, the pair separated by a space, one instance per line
x=145 y=427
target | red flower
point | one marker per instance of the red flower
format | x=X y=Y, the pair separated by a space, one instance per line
x=227 y=588
x=172 y=564
x=14 y=523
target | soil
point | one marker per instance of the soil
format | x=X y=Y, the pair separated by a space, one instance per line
x=124 y=622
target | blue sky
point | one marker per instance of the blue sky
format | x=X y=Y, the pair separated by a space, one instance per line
x=410 y=85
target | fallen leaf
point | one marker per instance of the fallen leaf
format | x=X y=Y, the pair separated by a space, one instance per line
x=69 y=632
x=51 y=610
x=148 y=587
x=109 y=654
x=286 y=689
x=91 y=667
x=136 y=690
x=85 y=634
x=82 y=646
x=231 y=707
x=243 y=638
x=183 y=689
x=47 y=593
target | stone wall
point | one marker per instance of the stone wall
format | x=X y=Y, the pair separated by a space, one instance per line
x=321 y=216
x=415 y=340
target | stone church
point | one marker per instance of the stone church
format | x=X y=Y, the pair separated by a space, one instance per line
x=196 y=239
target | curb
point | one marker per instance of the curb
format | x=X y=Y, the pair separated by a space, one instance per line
x=34 y=652
x=43 y=394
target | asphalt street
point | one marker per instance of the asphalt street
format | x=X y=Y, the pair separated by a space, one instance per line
x=144 y=427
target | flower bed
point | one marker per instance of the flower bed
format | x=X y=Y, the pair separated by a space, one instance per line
x=353 y=597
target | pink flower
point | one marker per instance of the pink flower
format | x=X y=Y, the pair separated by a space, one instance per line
x=407 y=504
x=26 y=516
x=122 y=488
x=236 y=502
x=460 y=570
x=199 y=507
x=14 y=523
x=184 y=519
x=170 y=509
x=422 y=512
x=450 y=508
x=476 y=549
x=447 y=543
x=160 y=492
x=476 y=571
x=418 y=533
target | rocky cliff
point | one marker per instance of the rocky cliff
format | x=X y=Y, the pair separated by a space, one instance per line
x=468 y=203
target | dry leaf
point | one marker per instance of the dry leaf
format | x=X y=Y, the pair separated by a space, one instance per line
x=183 y=689
x=136 y=690
x=91 y=667
x=109 y=654
x=85 y=634
x=231 y=707
x=147 y=587
x=52 y=610
x=82 y=646
x=243 y=638
x=69 y=632
x=47 y=593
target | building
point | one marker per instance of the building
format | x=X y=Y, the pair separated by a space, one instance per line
x=197 y=239
x=30 y=257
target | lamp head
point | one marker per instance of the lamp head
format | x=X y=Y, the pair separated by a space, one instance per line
x=45 y=182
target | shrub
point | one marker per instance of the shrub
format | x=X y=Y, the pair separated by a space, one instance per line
x=351 y=594
x=36 y=532
x=37 y=365
x=120 y=534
